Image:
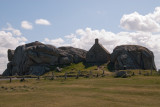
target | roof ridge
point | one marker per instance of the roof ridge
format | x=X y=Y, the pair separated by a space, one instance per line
x=103 y=47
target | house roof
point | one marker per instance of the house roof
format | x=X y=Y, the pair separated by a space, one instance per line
x=98 y=44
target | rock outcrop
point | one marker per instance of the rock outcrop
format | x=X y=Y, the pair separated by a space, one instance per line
x=79 y=55
x=10 y=54
x=36 y=58
x=132 y=57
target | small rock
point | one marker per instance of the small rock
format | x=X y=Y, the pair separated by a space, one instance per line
x=58 y=69
x=122 y=74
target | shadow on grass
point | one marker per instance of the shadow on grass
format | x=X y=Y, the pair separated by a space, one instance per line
x=109 y=65
x=87 y=65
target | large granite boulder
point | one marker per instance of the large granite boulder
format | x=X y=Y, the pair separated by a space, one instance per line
x=35 y=58
x=132 y=57
x=78 y=55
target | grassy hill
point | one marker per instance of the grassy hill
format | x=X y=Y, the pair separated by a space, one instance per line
x=86 y=69
x=83 y=68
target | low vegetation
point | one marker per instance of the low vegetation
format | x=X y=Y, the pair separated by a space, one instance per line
x=82 y=68
x=86 y=69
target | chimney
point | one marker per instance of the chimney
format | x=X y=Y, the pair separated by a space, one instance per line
x=96 y=41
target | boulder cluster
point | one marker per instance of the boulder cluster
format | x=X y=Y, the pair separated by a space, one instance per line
x=36 y=58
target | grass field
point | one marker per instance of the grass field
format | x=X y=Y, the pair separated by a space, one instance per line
x=142 y=91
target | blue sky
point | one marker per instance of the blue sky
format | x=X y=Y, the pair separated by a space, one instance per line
x=66 y=16
x=78 y=22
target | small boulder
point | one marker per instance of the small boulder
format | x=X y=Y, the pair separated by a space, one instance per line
x=122 y=74
x=58 y=69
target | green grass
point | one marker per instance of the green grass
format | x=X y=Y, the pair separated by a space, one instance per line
x=84 y=69
x=142 y=91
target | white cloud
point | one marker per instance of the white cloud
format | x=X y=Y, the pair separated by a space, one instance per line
x=13 y=30
x=26 y=25
x=84 y=39
x=8 y=40
x=155 y=15
x=56 y=42
x=138 y=22
x=42 y=22
x=70 y=36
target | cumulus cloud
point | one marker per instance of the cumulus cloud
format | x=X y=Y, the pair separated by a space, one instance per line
x=56 y=42
x=26 y=25
x=155 y=15
x=8 y=40
x=137 y=22
x=85 y=38
x=13 y=30
x=42 y=22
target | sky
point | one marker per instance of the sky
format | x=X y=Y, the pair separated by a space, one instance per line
x=78 y=22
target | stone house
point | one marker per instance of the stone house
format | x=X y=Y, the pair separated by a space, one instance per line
x=97 y=54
